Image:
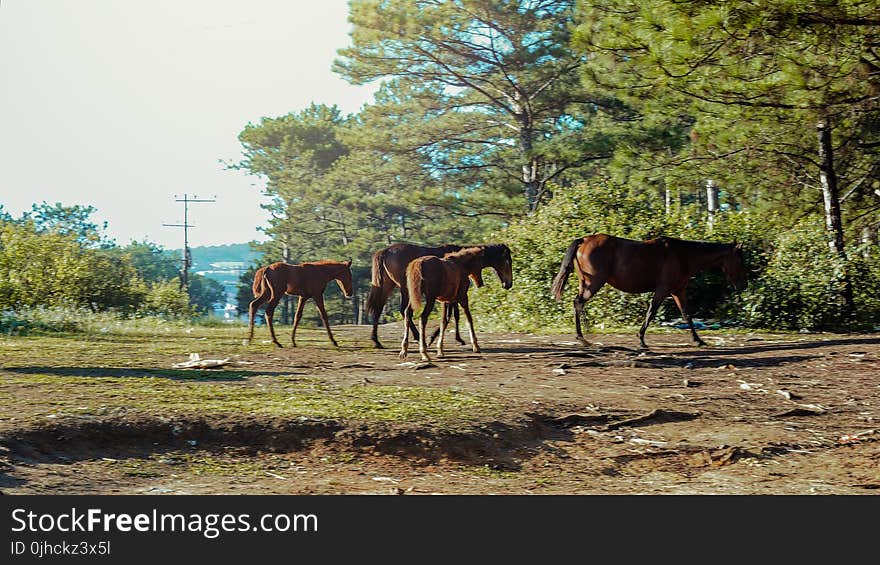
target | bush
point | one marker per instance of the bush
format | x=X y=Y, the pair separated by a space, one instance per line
x=168 y=299
x=794 y=281
x=802 y=284
x=48 y=269
x=538 y=244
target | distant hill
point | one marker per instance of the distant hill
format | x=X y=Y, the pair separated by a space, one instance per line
x=223 y=263
x=204 y=256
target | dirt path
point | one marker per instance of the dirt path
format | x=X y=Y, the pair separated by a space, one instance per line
x=750 y=414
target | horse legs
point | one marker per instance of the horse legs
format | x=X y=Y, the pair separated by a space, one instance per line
x=450 y=312
x=407 y=322
x=404 y=306
x=379 y=296
x=423 y=327
x=456 y=314
x=270 y=313
x=656 y=301
x=587 y=290
x=252 y=311
x=319 y=302
x=444 y=320
x=470 y=321
x=681 y=301
x=300 y=305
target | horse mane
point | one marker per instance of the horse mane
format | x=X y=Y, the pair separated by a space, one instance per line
x=322 y=262
x=495 y=251
x=465 y=253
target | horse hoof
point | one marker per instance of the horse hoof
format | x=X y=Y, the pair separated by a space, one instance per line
x=402 y=355
x=702 y=343
x=278 y=344
x=377 y=345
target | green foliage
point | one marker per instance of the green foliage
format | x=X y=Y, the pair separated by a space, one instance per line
x=49 y=274
x=69 y=220
x=486 y=91
x=539 y=243
x=48 y=268
x=151 y=261
x=168 y=299
x=204 y=293
x=801 y=285
x=756 y=78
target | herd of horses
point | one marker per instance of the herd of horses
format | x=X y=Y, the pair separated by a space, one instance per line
x=427 y=275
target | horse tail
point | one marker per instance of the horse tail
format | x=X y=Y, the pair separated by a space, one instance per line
x=375 y=298
x=263 y=285
x=378 y=272
x=414 y=283
x=565 y=268
x=259 y=280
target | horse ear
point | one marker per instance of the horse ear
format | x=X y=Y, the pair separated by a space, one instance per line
x=348 y=262
x=738 y=246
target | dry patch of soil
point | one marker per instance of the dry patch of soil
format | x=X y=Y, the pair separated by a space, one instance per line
x=749 y=414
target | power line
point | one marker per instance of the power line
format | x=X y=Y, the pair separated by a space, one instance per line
x=187 y=257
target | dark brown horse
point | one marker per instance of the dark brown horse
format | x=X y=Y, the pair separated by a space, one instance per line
x=447 y=280
x=389 y=272
x=305 y=280
x=662 y=266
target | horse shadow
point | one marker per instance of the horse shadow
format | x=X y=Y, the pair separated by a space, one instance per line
x=667 y=357
x=213 y=375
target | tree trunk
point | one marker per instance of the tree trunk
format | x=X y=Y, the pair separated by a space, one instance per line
x=529 y=166
x=711 y=202
x=831 y=198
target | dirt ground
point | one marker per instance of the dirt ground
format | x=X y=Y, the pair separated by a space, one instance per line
x=752 y=413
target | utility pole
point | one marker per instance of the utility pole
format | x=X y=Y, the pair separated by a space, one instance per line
x=187 y=257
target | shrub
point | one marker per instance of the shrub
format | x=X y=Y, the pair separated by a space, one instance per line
x=794 y=280
x=168 y=299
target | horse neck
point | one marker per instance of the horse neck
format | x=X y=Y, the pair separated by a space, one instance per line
x=470 y=264
x=705 y=255
x=329 y=271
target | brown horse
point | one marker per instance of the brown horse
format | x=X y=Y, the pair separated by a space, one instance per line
x=662 y=266
x=447 y=280
x=306 y=280
x=389 y=272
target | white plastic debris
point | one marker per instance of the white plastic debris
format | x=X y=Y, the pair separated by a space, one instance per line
x=196 y=362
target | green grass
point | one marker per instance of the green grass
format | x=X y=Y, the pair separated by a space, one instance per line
x=111 y=375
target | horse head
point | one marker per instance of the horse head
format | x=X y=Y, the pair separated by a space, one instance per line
x=498 y=256
x=734 y=267
x=344 y=279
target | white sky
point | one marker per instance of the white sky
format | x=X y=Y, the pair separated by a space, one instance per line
x=125 y=105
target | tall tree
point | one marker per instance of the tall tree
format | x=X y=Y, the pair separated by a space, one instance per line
x=762 y=76
x=480 y=85
x=73 y=220
x=292 y=152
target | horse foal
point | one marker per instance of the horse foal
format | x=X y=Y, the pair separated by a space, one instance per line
x=305 y=280
x=447 y=280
